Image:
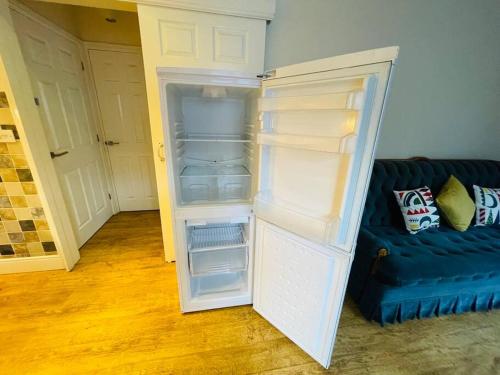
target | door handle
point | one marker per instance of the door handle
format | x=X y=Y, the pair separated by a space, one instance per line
x=54 y=155
x=111 y=143
x=161 y=151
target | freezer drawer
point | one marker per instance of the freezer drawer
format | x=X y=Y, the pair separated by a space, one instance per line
x=217 y=284
x=218 y=261
x=215 y=260
x=217 y=248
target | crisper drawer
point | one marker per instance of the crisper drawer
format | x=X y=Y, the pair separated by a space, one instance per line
x=217 y=248
x=215 y=188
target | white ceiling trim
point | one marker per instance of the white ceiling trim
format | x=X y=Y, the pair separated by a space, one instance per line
x=260 y=9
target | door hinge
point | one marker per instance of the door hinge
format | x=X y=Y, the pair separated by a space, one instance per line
x=83 y=66
x=37 y=101
x=97 y=136
x=109 y=195
x=267 y=74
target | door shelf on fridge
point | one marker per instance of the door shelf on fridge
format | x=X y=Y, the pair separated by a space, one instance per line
x=218 y=248
x=350 y=100
x=344 y=145
x=323 y=229
x=240 y=138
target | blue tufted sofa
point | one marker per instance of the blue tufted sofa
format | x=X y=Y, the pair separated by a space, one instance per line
x=398 y=276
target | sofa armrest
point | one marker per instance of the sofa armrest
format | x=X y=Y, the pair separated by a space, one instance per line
x=370 y=250
x=371 y=245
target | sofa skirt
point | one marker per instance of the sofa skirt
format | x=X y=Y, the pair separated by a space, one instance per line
x=390 y=304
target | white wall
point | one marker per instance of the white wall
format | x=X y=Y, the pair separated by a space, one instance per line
x=445 y=101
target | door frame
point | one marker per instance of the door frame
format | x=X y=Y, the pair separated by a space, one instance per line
x=40 y=153
x=29 y=124
x=98 y=46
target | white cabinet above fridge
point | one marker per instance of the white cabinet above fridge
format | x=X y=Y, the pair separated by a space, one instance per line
x=268 y=181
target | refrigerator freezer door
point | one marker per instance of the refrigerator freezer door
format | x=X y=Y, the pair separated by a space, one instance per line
x=318 y=131
x=299 y=287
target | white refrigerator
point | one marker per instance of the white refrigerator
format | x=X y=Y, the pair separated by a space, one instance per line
x=268 y=178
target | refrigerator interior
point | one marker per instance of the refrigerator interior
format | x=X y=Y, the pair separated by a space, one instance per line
x=212 y=140
x=218 y=258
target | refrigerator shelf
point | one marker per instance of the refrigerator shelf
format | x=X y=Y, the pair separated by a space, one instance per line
x=214 y=171
x=216 y=236
x=214 y=138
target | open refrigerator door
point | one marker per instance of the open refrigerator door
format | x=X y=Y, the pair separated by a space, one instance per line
x=318 y=131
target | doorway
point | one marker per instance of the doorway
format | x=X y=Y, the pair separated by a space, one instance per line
x=92 y=100
x=121 y=93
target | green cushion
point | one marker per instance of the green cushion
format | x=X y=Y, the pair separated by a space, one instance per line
x=455 y=204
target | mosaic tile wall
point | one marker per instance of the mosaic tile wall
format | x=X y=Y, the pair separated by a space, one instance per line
x=24 y=230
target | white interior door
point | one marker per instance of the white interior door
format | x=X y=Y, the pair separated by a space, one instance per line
x=121 y=92
x=55 y=68
x=319 y=126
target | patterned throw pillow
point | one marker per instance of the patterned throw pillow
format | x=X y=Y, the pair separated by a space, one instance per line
x=487 y=205
x=418 y=208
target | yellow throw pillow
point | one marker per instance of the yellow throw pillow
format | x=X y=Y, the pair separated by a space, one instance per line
x=455 y=204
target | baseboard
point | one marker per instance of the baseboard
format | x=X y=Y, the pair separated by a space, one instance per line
x=31 y=264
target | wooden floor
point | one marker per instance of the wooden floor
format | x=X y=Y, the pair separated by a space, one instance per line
x=117 y=312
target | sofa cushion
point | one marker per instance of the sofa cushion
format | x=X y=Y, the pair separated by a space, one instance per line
x=388 y=175
x=438 y=255
x=455 y=204
x=487 y=205
x=418 y=209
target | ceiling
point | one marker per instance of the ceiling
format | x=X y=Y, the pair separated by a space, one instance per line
x=89 y=23
x=126 y=6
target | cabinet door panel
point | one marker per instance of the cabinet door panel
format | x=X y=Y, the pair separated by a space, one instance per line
x=187 y=39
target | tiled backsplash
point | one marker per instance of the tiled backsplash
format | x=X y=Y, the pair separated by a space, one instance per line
x=24 y=230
